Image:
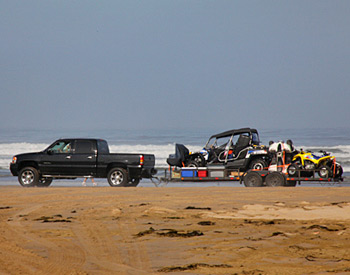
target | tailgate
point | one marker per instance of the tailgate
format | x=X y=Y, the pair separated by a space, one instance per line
x=149 y=160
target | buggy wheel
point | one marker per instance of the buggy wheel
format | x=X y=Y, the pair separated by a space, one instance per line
x=325 y=172
x=258 y=164
x=275 y=179
x=192 y=163
x=253 y=179
x=117 y=177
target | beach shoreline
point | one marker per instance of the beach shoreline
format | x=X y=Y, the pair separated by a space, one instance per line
x=176 y=230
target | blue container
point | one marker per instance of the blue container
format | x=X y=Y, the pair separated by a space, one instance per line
x=188 y=172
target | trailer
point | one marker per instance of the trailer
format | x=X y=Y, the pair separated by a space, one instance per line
x=280 y=165
x=273 y=176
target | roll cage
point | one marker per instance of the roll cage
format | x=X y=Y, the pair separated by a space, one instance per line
x=228 y=145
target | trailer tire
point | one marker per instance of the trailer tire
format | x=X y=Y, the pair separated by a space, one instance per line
x=253 y=179
x=275 y=179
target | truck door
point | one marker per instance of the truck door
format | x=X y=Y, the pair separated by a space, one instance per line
x=56 y=159
x=84 y=158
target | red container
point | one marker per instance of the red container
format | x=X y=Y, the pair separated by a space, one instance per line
x=202 y=173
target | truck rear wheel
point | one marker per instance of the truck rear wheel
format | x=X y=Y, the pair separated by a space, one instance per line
x=253 y=179
x=117 y=177
x=275 y=179
x=28 y=177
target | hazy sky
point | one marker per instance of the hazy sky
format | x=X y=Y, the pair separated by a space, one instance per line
x=174 y=64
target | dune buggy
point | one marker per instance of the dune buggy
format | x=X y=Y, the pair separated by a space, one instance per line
x=236 y=149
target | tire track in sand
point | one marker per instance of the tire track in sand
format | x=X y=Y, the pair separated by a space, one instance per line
x=54 y=256
x=103 y=252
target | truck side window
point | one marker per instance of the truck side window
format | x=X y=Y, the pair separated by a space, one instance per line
x=61 y=147
x=84 y=147
x=102 y=147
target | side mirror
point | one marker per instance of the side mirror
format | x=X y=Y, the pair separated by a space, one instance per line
x=50 y=152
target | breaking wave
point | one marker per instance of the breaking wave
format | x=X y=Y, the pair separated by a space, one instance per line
x=161 y=152
x=7 y=150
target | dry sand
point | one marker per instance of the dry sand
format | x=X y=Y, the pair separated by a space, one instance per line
x=192 y=230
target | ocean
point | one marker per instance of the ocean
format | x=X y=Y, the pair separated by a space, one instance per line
x=161 y=142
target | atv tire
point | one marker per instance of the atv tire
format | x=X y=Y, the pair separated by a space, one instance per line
x=325 y=172
x=292 y=170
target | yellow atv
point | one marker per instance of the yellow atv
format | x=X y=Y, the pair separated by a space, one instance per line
x=307 y=163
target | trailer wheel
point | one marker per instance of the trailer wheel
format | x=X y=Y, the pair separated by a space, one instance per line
x=275 y=179
x=253 y=179
x=117 y=177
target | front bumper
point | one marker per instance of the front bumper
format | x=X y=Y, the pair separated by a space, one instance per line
x=14 y=169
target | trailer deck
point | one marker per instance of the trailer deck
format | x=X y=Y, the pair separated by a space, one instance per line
x=251 y=178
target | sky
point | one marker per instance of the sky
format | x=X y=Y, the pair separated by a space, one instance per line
x=174 y=64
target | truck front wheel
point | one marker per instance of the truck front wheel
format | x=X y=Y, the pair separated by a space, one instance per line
x=117 y=177
x=28 y=177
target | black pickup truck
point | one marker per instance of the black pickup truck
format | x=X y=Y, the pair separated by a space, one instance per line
x=73 y=158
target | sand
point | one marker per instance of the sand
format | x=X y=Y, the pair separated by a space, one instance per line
x=177 y=230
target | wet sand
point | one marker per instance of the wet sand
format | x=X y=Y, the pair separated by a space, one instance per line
x=174 y=230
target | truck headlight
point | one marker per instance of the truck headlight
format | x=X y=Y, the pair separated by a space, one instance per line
x=14 y=160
